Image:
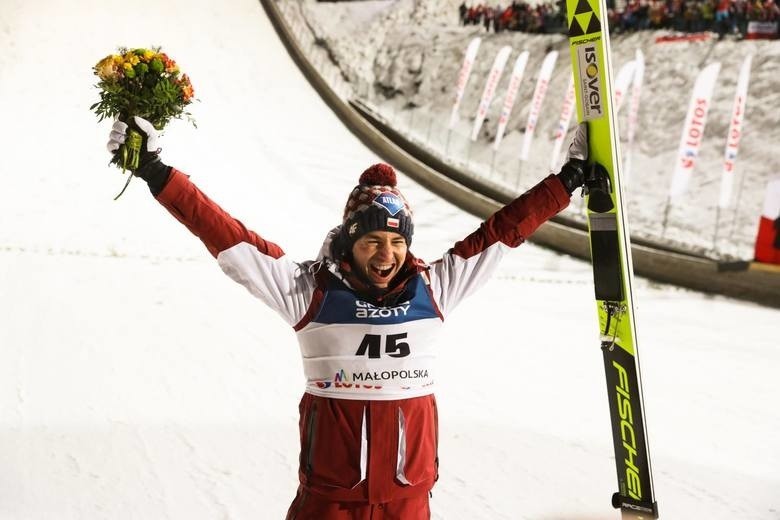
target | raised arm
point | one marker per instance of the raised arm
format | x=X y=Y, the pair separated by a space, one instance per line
x=471 y=261
x=257 y=264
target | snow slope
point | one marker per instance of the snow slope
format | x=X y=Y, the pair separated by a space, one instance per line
x=404 y=56
x=138 y=382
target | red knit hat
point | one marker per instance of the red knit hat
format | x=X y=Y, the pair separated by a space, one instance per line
x=376 y=204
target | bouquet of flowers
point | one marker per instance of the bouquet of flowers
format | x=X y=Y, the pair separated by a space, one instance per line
x=144 y=83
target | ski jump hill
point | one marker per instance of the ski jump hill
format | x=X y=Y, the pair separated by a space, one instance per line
x=745 y=280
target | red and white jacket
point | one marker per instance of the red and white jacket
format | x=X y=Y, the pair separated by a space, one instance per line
x=368 y=423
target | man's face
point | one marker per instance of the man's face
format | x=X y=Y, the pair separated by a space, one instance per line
x=379 y=255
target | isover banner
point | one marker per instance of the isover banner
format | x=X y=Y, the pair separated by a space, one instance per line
x=545 y=72
x=509 y=98
x=569 y=103
x=490 y=89
x=734 y=133
x=693 y=129
x=463 y=77
x=633 y=111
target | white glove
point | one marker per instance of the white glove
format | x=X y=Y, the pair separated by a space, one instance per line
x=119 y=133
x=572 y=173
x=578 y=149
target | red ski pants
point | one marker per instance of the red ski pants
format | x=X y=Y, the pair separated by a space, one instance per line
x=311 y=507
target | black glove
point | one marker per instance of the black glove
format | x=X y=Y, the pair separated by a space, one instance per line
x=150 y=167
x=572 y=173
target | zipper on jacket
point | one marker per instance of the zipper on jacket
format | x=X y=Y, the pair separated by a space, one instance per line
x=311 y=428
x=436 y=448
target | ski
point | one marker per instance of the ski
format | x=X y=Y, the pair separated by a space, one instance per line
x=611 y=257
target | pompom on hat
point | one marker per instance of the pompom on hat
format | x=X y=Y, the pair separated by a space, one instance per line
x=376 y=204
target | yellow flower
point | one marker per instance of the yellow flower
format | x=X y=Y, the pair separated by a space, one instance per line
x=149 y=55
x=106 y=68
x=117 y=59
x=131 y=58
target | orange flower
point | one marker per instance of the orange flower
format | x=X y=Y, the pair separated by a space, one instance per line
x=170 y=65
x=186 y=88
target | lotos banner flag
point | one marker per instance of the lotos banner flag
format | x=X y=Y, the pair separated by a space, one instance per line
x=633 y=112
x=490 y=89
x=693 y=129
x=735 y=133
x=545 y=72
x=569 y=104
x=623 y=82
x=463 y=77
x=509 y=98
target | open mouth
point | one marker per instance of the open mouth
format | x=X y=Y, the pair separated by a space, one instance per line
x=382 y=271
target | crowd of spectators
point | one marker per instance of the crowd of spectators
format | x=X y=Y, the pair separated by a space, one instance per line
x=518 y=16
x=720 y=16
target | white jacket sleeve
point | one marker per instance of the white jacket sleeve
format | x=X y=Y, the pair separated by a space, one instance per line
x=257 y=264
x=469 y=264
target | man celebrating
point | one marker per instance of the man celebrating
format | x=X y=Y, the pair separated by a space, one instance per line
x=366 y=313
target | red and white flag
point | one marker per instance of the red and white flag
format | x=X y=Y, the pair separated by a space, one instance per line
x=757 y=30
x=511 y=95
x=693 y=130
x=490 y=89
x=768 y=238
x=463 y=77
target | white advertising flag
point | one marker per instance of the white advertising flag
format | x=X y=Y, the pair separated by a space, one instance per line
x=693 y=129
x=490 y=89
x=633 y=111
x=545 y=72
x=567 y=111
x=463 y=77
x=511 y=95
x=623 y=82
x=735 y=133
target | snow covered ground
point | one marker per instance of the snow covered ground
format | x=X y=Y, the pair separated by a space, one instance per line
x=138 y=382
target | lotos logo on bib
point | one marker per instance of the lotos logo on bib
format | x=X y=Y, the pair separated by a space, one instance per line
x=391 y=202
